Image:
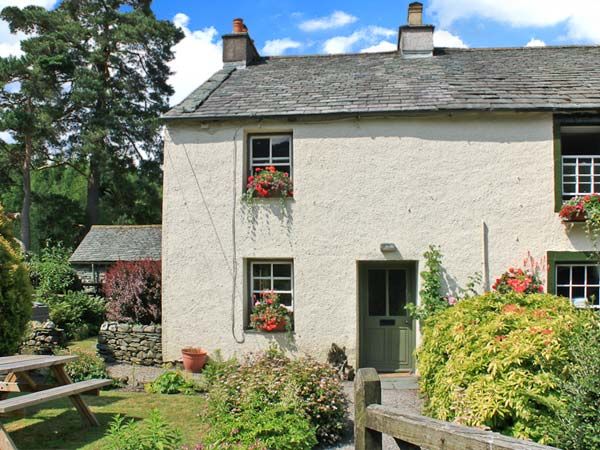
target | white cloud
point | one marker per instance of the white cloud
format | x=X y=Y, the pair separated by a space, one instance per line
x=535 y=43
x=277 y=47
x=581 y=17
x=366 y=36
x=10 y=44
x=334 y=20
x=197 y=56
x=443 y=38
x=383 y=46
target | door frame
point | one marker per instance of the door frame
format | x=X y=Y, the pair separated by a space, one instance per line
x=412 y=283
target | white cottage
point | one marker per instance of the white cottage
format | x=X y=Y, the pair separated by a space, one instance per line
x=470 y=149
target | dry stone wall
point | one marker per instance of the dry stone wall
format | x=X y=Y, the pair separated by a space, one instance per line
x=128 y=343
x=43 y=339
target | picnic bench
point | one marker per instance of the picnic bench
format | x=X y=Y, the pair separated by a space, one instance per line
x=17 y=372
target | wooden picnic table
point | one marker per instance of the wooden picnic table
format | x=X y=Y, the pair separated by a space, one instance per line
x=16 y=372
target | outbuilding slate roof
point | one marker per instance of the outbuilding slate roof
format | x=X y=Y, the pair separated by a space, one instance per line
x=109 y=243
x=531 y=78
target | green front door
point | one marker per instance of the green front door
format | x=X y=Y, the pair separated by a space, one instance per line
x=387 y=339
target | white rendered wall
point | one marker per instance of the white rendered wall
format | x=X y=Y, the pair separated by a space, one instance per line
x=411 y=182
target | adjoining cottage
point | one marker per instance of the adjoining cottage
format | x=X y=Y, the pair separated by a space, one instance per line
x=104 y=245
x=470 y=149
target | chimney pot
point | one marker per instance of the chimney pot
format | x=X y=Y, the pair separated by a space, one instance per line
x=415 y=14
x=238 y=25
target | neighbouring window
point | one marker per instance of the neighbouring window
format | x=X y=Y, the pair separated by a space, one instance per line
x=276 y=276
x=580 y=160
x=270 y=150
x=579 y=282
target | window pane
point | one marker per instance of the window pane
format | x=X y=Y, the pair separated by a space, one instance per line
x=282 y=270
x=567 y=187
x=585 y=169
x=397 y=292
x=285 y=299
x=260 y=148
x=578 y=275
x=282 y=285
x=563 y=275
x=376 y=283
x=261 y=270
x=578 y=292
x=280 y=146
x=593 y=275
x=568 y=170
x=563 y=291
x=283 y=168
x=262 y=285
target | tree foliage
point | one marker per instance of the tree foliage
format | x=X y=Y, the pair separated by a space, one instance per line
x=15 y=290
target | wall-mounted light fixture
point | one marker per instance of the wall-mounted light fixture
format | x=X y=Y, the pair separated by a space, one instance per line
x=387 y=247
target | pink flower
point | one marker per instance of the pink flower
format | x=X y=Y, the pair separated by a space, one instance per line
x=451 y=300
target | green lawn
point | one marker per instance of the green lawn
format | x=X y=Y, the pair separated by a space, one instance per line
x=86 y=345
x=56 y=425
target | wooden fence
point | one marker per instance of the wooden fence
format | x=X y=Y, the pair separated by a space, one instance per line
x=414 y=432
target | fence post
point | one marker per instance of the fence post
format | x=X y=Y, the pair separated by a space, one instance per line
x=367 y=391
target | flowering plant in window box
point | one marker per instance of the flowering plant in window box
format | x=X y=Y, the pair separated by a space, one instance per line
x=268 y=182
x=584 y=209
x=268 y=314
x=518 y=280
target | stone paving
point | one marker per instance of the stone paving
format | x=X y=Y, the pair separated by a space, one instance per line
x=398 y=391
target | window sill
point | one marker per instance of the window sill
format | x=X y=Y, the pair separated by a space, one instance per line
x=255 y=331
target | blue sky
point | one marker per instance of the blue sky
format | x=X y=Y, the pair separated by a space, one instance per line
x=287 y=27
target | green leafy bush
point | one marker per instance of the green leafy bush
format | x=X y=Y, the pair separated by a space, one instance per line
x=152 y=434
x=274 y=377
x=579 y=421
x=87 y=367
x=51 y=272
x=218 y=368
x=172 y=383
x=260 y=422
x=432 y=300
x=78 y=313
x=496 y=360
x=15 y=291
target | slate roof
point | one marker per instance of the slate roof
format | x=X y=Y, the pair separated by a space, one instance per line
x=108 y=243
x=531 y=78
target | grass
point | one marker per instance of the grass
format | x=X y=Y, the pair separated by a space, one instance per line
x=57 y=425
x=86 y=345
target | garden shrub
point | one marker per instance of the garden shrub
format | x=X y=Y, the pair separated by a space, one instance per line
x=51 y=272
x=87 y=367
x=172 y=382
x=579 y=421
x=133 y=291
x=152 y=434
x=78 y=313
x=496 y=360
x=271 y=376
x=15 y=291
x=261 y=422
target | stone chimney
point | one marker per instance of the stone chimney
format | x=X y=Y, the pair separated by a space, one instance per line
x=415 y=40
x=238 y=48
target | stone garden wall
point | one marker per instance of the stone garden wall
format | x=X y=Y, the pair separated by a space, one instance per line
x=137 y=344
x=43 y=339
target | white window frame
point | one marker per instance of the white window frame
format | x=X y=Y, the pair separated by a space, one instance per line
x=270 y=161
x=254 y=292
x=575 y=161
x=571 y=285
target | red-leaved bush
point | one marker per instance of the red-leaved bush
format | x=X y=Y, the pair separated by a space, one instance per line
x=133 y=292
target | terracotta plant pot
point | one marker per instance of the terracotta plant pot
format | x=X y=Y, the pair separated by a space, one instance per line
x=194 y=359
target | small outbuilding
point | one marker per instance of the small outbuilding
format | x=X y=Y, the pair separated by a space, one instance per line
x=106 y=244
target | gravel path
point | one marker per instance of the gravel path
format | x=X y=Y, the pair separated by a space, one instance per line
x=397 y=392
